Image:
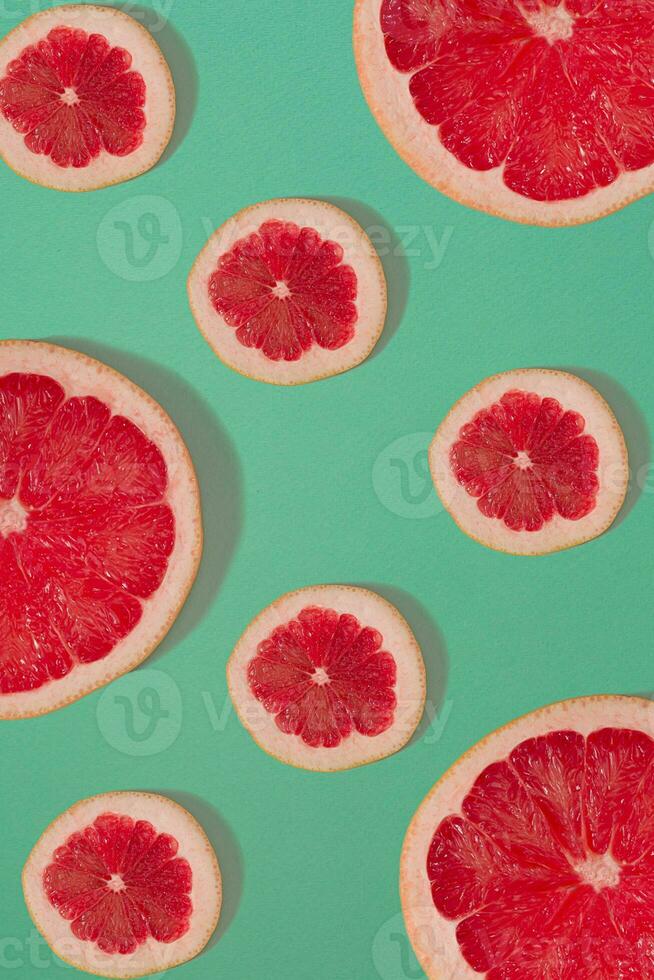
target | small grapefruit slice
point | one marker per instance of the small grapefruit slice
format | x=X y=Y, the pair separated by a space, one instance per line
x=329 y=677
x=124 y=884
x=289 y=291
x=539 y=111
x=86 y=98
x=531 y=461
x=532 y=856
x=100 y=527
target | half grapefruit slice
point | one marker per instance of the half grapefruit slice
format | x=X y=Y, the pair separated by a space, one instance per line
x=289 y=291
x=86 y=98
x=530 y=462
x=540 y=111
x=100 y=527
x=124 y=884
x=532 y=856
x=327 y=678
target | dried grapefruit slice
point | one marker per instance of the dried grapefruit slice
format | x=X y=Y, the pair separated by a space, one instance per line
x=329 y=677
x=532 y=856
x=289 y=291
x=540 y=111
x=531 y=461
x=124 y=884
x=100 y=527
x=86 y=98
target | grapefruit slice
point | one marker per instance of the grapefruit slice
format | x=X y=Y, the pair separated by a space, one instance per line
x=531 y=461
x=539 y=111
x=329 y=677
x=532 y=856
x=100 y=527
x=86 y=98
x=289 y=291
x=124 y=884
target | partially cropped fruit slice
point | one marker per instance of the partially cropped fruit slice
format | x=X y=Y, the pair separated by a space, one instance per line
x=123 y=885
x=536 y=110
x=289 y=291
x=532 y=856
x=531 y=461
x=329 y=677
x=100 y=527
x=86 y=98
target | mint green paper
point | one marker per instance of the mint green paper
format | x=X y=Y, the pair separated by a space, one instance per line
x=322 y=483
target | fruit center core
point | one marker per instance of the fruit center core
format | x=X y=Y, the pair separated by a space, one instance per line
x=320 y=676
x=552 y=23
x=281 y=290
x=116 y=884
x=522 y=460
x=13 y=518
x=600 y=871
x=69 y=96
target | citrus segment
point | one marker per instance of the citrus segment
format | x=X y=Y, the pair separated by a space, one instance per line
x=531 y=461
x=91 y=524
x=539 y=110
x=123 y=885
x=284 y=289
x=289 y=291
x=328 y=678
x=86 y=98
x=542 y=852
x=323 y=677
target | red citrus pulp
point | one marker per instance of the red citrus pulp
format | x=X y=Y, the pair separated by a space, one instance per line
x=532 y=857
x=92 y=524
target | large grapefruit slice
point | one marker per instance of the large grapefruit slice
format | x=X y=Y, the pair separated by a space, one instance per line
x=289 y=291
x=532 y=857
x=124 y=884
x=327 y=678
x=86 y=98
x=531 y=461
x=536 y=110
x=100 y=528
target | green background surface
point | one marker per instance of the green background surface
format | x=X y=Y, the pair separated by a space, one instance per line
x=322 y=483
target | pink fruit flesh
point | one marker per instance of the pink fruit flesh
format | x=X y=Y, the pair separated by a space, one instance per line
x=324 y=676
x=527 y=460
x=285 y=289
x=73 y=96
x=549 y=871
x=85 y=530
x=558 y=92
x=118 y=882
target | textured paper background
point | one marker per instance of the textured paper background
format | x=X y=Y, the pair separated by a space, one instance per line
x=322 y=483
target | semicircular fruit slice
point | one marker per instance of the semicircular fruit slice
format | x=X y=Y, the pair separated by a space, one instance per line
x=539 y=111
x=86 y=98
x=100 y=526
x=124 y=884
x=530 y=462
x=327 y=678
x=532 y=856
x=289 y=291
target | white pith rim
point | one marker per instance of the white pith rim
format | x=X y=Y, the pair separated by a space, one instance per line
x=120 y=30
x=416 y=141
x=432 y=936
x=165 y=816
x=573 y=394
x=80 y=375
x=355 y=750
x=331 y=223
